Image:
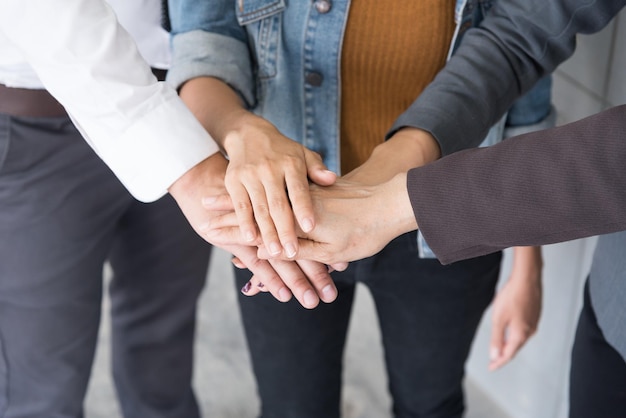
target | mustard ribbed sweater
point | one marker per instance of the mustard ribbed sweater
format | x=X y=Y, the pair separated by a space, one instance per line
x=391 y=51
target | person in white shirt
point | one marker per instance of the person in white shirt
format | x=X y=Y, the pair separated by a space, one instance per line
x=140 y=128
x=63 y=212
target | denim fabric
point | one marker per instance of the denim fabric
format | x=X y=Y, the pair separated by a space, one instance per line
x=265 y=51
x=286 y=44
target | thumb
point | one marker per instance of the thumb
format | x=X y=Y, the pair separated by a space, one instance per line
x=515 y=340
x=337 y=267
x=496 y=344
x=317 y=172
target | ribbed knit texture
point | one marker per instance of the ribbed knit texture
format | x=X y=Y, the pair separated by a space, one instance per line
x=391 y=51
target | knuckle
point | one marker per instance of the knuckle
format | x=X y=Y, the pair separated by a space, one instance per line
x=279 y=204
x=261 y=210
x=242 y=206
x=292 y=162
x=297 y=283
x=320 y=277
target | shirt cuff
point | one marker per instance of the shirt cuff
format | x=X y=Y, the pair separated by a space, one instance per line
x=156 y=149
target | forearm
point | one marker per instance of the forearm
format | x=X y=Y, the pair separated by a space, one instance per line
x=536 y=189
x=407 y=149
x=398 y=214
x=498 y=62
x=218 y=107
x=91 y=65
x=527 y=264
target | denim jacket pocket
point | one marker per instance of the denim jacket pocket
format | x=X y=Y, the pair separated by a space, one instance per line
x=262 y=19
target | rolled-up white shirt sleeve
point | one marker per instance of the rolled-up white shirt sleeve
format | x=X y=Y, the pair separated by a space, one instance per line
x=138 y=126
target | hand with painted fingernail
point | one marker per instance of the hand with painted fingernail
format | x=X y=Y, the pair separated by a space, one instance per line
x=308 y=281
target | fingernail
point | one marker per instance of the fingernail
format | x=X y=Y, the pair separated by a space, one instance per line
x=307 y=225
x=284 y=295
x=274 y=249
x=260 y=285
x=329 y=292
x=204 y=226
x=237 y=263
x=290 y=250
x=249 y=236
x=209 y=200
x=309 y=298
x=494 y=353
x=246 y=287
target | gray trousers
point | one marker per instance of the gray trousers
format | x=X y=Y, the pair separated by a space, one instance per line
x=62 y=215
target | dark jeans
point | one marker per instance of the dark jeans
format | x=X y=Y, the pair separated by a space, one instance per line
x=598 y=371
x=428 y=314
x=62 y=214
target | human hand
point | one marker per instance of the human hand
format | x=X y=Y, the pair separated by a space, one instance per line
x=516 y=307
x=282 y=279
x=309 y=281
x=268 y=181
x=354 y=221
x=406 y=149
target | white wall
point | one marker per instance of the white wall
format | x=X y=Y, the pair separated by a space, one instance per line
x=535 y=384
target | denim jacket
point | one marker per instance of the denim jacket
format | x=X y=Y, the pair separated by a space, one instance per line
x=245 y=43
x=283 y=59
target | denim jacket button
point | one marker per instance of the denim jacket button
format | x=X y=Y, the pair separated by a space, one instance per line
x=314 y=79
x=322 y=6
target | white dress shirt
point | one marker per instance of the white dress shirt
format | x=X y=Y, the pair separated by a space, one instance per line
x=142 y=19
x=79 y=52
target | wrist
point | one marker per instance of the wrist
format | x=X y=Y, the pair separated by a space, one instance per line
x=397 y=207
x=406 y=149
x=209 y=172
x=527 y=264
x=418 y=147
x=239 y=125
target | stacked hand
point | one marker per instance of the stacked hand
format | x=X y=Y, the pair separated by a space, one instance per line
x=364 y=210
x=266 y=175
x=349 y=225
x=260 y=207
x=309 y=282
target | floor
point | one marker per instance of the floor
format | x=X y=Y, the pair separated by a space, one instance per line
x=223 y=380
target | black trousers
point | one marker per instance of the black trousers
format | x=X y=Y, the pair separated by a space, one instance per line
x=598 y=371
x=428 y=314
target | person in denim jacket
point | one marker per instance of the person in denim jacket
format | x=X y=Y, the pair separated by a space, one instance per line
x=276 y=84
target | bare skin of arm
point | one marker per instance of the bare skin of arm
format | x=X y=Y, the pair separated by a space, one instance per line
x=516 y=307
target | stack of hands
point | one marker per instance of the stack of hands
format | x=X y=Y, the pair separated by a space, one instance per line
x=275 y=206
x=290 y=220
